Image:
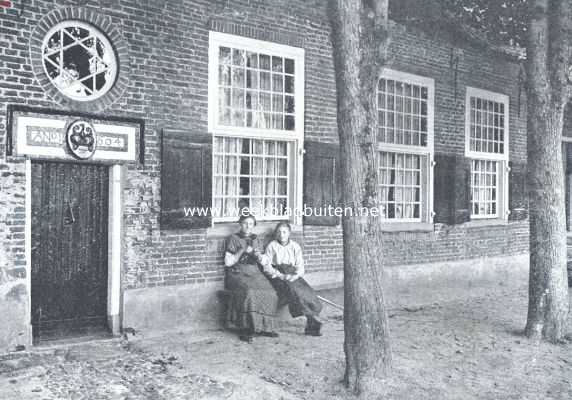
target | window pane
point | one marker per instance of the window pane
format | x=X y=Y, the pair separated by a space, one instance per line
x=282 y=167
x=271 y=90
x=289 y=104
x=224 y=55
x=277 y=64
x=251 y=59
x=289 y=122
x=265 y=102
x=486 y=133
x=278 y=104
x=252 y=79
x=282 y=148
x=224 y=97
x=399 y=182
x=277 y=83
x=251 y=100
x=265 y=80
x=238 y=78
x=264 y=62
x=484 y=177
x=282 y=187
x=224 y=117
x=238 y=98
x=289 y=84
x=277 y=121
x=289 y=66
x=238 y=57
x=224 y=75
x=250 y=173
x=403 y=113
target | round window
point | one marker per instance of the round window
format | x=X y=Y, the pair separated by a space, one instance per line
x=79 y=60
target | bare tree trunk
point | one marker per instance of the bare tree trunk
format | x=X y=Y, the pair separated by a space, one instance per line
x=547 y=63
x=360 y=40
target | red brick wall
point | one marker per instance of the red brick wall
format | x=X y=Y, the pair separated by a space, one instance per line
x=455 y=243
x=168 y=46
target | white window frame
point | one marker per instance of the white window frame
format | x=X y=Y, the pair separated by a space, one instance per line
x=290 y=184
x=501 y=158
x=498 y=187
x=427 y=212
x=496 y=97
x=296 y=136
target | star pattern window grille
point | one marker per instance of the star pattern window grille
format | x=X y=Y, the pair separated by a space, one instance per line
x=79 y=60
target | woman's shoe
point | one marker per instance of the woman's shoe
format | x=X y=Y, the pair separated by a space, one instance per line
x=313 y=327
x=246 y=338
x=312 y=332
x=269 y=334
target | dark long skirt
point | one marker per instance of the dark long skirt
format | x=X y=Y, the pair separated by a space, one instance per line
x=299 y=295
x=253 y=300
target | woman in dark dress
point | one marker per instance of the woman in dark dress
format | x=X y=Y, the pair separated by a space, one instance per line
x=253 y=300
x=284 y=264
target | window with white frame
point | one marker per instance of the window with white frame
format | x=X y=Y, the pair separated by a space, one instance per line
x=484 y=188
x=251 y=173
x=405 y=146
x=486 y=126
x=256 y=116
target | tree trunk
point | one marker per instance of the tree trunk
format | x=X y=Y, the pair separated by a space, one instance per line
x=360 y=39
x=547 y=61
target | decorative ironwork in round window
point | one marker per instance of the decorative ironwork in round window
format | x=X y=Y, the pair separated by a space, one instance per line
x=79 y=60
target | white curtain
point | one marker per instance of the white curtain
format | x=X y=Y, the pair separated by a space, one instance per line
x=231 y=171
x=218 y=171
x=267 y=174
x=257 y=171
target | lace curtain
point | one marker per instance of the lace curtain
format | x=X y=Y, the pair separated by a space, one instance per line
x=250 y=173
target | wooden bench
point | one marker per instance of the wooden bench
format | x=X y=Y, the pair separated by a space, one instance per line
x=224 y=296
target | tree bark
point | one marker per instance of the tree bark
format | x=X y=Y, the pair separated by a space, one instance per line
x=547 y=63
x=360 y=40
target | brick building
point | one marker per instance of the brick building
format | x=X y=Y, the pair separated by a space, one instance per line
x=116 y=114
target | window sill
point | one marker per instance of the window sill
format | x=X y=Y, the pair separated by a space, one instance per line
x=407 y=227
x=485 y=222
x=225 y=229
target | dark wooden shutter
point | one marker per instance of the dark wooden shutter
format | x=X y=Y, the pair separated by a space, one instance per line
x=186 y=176
x=321 y=178
x=518 y=196
x=461 y=194
x=451 y=191
x=442 y=178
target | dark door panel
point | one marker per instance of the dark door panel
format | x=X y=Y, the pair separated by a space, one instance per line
x=69 y=247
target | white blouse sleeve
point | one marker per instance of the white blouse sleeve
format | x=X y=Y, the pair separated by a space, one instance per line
x=230 y=259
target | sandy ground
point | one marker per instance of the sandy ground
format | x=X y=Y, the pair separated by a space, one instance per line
x=460 y=349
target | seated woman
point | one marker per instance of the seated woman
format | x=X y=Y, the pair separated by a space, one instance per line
x=253 y=300
x=285 y=266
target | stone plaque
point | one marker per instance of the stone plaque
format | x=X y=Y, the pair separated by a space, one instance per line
x=46 y=135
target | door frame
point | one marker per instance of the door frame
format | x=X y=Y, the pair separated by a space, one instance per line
x=115 y=236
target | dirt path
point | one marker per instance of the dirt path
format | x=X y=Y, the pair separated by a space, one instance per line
x=464 y=349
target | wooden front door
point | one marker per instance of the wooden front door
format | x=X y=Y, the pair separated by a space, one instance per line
x=69 y=248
